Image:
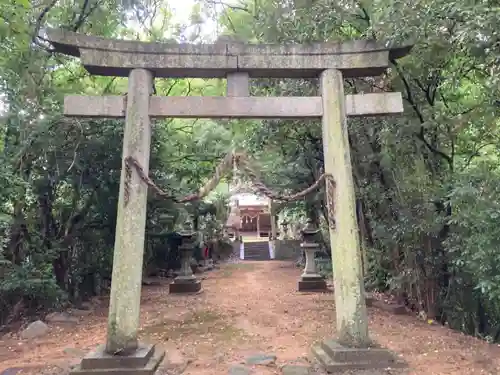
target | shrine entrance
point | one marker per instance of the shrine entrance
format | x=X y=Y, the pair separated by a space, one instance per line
x=254 y=215
x=249 y=223
x=141 y=63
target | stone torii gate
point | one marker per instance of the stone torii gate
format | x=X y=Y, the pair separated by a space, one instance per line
x=141 y=63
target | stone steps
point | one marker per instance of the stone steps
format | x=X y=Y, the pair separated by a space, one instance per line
x=256 y=250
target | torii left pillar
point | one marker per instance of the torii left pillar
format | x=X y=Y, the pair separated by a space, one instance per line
x=122 y=352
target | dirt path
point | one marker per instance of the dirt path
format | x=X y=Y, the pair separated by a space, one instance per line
x=249 y=308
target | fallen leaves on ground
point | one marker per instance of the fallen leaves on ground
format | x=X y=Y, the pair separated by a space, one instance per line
x=245 y=309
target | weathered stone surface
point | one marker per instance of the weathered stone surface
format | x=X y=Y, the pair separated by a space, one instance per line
x=312 y=49
x=177 y=287
x=341 y=353
x=237 y=107
x=117 y=57
x=296 y=370
x=35 y=329
x=350 y=306
x=111 y=63
x=144 y=361
x=311 y=285
x=124 y=303
x=261 y=359
x=303 y=65
x=239 y=370
x=335 y=357
x=374 y=104
x=238 y=84
x=69 y=42
x=99 y=359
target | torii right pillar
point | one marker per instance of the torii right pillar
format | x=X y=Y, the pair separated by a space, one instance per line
x=352 y=348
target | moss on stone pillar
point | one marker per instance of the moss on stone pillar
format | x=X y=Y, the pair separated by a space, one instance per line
x=352 y=320
x=124 y=306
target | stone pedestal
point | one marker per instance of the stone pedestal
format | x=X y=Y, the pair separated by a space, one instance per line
x=338 y=358
x=182 y=286
x=312 y=284
x=143 y=361
x=186 y=282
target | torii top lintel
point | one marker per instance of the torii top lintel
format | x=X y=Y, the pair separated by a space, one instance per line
x=112 y=57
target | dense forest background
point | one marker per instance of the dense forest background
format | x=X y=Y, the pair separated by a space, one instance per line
x=427 y=183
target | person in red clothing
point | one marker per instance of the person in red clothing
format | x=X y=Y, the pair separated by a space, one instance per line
x=206 y=252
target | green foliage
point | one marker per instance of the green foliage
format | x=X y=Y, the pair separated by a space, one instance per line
x=426 y=182
x=473 y=245
x=59 y=177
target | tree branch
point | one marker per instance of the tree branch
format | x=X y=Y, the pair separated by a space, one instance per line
x=39 y=21
x=421 y=134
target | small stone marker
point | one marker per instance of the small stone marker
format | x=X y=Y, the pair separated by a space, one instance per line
x=310 y=280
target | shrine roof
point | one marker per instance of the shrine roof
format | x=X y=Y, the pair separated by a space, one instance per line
x=248 y=199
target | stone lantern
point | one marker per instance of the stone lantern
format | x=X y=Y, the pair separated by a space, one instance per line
x=284 y=224
x=186 y=281
x=310 y=280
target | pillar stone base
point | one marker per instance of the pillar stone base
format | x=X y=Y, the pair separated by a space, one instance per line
x=311 y=283
x=144 y=361
x=335 y=357
x=184 y=286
